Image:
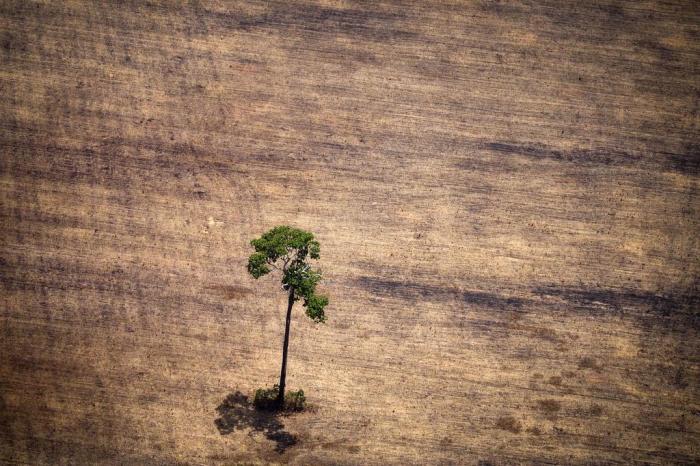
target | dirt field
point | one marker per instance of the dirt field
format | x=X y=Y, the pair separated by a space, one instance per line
x=506 y=196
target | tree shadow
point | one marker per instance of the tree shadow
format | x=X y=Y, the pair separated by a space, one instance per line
x=237 y=412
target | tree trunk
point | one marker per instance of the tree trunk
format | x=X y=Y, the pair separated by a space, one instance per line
x=283 y=374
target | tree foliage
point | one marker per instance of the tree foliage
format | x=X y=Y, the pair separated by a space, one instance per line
x=288 y=250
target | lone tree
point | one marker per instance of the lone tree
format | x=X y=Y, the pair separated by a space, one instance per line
x=288 y=249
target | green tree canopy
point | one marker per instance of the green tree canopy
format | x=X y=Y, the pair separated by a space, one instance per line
x=288 y=250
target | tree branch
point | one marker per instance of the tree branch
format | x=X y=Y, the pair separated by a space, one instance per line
x=272 y=264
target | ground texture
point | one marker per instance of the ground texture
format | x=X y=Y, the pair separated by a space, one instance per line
x=506 y=195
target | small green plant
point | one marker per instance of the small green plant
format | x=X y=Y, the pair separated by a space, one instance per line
x=266 y=399
x=294 y=401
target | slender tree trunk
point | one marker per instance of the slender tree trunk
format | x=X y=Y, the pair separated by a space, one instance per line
x=283 y=374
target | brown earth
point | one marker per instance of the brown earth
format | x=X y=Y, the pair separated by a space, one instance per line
x=506 y=195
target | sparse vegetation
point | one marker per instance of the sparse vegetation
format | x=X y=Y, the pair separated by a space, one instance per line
x=588 y=363
x=294 y=401
x=266 y=399
x=509 y=423
x=555 y=380
x=547 y=334
x=679 y=380
x=594 y=410
x=549 y=406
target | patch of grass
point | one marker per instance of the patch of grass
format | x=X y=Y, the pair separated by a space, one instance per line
x=294 y=401
x=549 y=406
x=679 y=380
x=588 y=362
x=509 y=423
x=593 y=410
x=555 y=380
x=546 y=334
x=266 y=399
x=534 y=430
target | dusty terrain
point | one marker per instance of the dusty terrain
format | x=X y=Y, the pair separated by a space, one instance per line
x=506 y=195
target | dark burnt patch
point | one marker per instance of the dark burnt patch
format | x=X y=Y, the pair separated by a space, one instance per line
x=661 y=52
x=369 y=24
x=613 y=12
x=7 y=41
x=500 y=9
x=412 y=291
x=602 y=301
x=12 y=46
x=474 y=162
x=687 y=162
x=403 y=290
x=586 y=157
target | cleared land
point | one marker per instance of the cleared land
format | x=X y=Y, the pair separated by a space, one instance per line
x=506 y=196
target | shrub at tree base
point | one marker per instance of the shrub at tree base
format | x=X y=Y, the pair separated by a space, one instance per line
x=266 y=399
x=294 y=401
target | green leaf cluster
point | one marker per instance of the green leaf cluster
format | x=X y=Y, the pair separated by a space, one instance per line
x=265 y=399
x=288 y=249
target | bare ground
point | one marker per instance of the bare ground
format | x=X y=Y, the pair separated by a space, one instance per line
x=506 y=194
